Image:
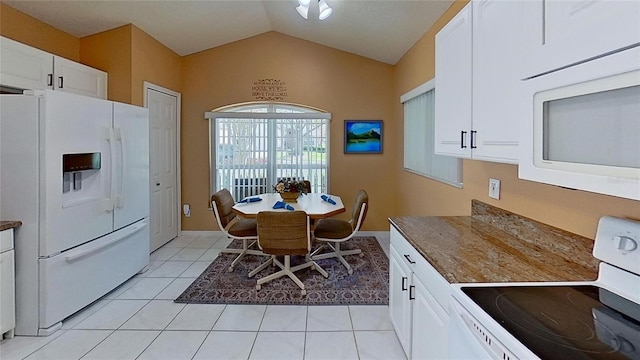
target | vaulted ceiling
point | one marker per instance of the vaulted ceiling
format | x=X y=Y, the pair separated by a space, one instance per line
x=376 y=29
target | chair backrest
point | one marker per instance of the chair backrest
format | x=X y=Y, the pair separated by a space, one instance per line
x=222 y=203
x=360 y=208
x=307 y=186
x=284 y=233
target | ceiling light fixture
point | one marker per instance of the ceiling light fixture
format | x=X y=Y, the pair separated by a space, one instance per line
x=303 y=9
x=325 y=10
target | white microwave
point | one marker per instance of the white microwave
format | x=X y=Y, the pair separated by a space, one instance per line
x=582 y=130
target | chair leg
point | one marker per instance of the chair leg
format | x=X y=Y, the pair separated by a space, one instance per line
x=338 y=253
x=315 y=265
x=286 y=270
x=245 y=250
x=262 y=266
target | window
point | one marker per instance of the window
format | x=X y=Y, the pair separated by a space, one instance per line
x=254 y=145
x=419 y=123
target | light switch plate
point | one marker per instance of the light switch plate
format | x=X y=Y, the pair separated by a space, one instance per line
x=494 y=189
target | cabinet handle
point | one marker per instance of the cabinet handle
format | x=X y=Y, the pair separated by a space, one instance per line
x=462 y=136
x=49 y=79
x=409 y=259
x=411 y=297
x=404 y=283
x=473 y=139
x=60 y=82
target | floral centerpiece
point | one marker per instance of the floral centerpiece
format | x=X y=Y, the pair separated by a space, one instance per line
x=290 y=189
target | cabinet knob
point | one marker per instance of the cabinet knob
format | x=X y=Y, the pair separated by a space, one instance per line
x=157 y=184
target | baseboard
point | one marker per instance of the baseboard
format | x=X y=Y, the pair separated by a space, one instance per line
x=200 y=233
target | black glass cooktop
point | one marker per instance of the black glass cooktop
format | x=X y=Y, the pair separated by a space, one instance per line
x=565 y=322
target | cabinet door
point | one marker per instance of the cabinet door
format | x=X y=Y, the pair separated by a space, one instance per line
x=7 y=292
x=567 y=32
x=24 y=67
x=453 y=86
x=76 y=78
x=499 y=103
x=399 y=303
x=430 y=325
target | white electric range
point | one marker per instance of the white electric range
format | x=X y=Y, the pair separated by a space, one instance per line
x=557 y=320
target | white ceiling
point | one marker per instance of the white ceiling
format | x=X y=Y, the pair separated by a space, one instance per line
x=382 y=30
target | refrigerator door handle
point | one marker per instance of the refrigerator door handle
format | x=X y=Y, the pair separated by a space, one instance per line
x=107 y=201
x=82 y=254
x=119 y=195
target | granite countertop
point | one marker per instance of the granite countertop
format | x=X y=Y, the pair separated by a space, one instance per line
x=493 y=245
x=6 y=225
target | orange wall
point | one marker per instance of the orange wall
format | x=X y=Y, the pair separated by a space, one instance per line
x=26 y=29
x=573 y=210
x=153 y=62
x=131 y=56
x=348 y=86
x=110 y=51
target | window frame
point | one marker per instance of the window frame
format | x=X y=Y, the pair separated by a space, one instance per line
x=433 y=162
x=274 y=111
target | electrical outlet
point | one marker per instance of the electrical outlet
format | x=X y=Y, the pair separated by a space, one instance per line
x=186 y=209
x=494 y=189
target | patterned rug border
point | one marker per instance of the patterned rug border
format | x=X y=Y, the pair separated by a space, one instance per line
x=368 y=285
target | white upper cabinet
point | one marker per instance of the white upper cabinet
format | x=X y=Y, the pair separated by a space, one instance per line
x=499 y=102
x=25 y=67
x=562 y=33
x=80 y=79
x=453 y=86
x=479 y=97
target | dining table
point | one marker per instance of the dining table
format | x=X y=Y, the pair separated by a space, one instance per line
x=313 y=204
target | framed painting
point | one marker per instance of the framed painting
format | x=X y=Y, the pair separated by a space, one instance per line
x=363 y=136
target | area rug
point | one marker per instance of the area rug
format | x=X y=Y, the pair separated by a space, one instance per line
x=368 y=285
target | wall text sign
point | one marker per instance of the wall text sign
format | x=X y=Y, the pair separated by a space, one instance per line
x=269 y=89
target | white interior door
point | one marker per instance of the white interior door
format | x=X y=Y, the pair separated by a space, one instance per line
x=163 y=144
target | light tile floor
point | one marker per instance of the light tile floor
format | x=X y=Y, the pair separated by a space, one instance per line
x=139 y=320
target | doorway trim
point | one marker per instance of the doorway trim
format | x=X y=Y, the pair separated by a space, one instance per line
x=151 y=86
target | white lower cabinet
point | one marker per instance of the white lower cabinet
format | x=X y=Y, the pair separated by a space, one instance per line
x=7 y=284
x=418 y=297
x=430 y=325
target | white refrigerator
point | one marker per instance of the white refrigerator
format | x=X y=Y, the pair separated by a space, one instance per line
x=75 y=171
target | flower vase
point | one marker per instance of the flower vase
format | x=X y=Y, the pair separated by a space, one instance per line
x=290 y=197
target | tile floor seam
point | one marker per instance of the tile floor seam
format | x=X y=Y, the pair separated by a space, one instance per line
x=134 y=314
x=218 y=318
x=149 y=344
x=98 y=344
x=253 y=344
x=200 y=346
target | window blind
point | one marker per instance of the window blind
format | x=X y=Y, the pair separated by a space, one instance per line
x=254 y=145
x=419 y=139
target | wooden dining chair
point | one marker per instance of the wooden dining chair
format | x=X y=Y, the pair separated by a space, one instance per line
x=285 y=234
x=307 y=186
x=333 y=232
x=234 y=227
